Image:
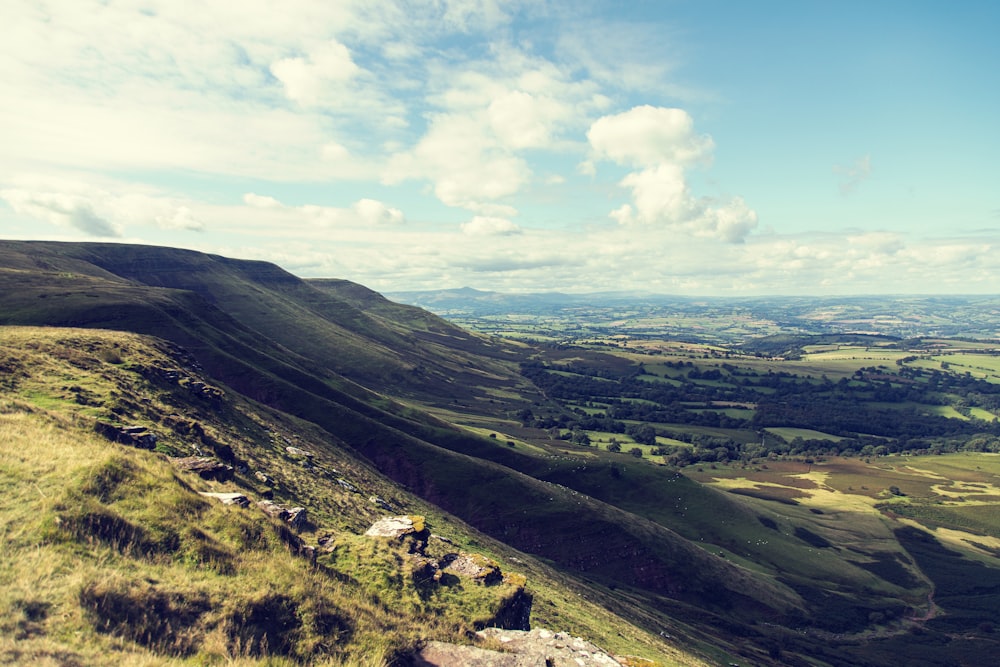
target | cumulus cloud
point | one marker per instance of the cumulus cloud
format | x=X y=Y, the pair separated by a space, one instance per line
x=469 y=169
x=372 y=212
x=662 y=142
x=645 y=136
x=487 y=115
x=65 y=210
x=317 y=76
x=487 y=226
x=887 y=243
x=364 y=212
x=180 y=218
x=261 y=201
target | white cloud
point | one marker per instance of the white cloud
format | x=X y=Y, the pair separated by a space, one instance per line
x=65 y=210
x=487 y=115
x=317 y=77
x=662 y=143
x=887 y=243
x=182 y=218
x=96 y=210
x=487 y=226
x=646 y=136
x=261 y=201
x=364 y=212
x=467 y=166
x=372 y=212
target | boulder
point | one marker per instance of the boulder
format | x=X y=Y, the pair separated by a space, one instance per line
x=227 y=498
x=295 y=517
x=382 y=502
x=480 y=569
x=205 y=467
x=136 y=436
x=396 y=527
x=537 y=648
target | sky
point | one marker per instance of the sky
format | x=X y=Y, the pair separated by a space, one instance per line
x=698 y=147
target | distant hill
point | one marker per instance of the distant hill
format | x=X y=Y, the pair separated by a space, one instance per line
x=713 y=319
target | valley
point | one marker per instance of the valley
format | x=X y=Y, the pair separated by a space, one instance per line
x=753 y=485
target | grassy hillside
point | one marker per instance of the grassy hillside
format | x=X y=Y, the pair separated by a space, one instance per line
x=112 y=553
x=440 y=423
x=332 y=327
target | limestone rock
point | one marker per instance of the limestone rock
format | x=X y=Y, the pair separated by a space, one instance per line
x=294 y=517
x=227 y=498
x=537 y=648
x=396 y=527
x=479 y=568
x=136 y=436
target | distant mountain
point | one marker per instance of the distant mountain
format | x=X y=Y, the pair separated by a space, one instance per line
x=711 y=318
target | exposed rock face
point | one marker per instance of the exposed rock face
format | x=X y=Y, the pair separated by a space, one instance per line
x=480 y=569
x=514 y=613
x=396 y=527
x=382 y=502
x=205 y=467
x=227 y=498
x=294 y=517
x=136 y=436
x=537 y=648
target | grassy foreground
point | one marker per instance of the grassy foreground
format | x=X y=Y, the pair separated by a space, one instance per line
x=111 y=554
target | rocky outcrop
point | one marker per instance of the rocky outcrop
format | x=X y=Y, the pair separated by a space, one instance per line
x=537 y=648
x=136 y=436
x=396 y=527
x=294 y=517
x=478 y=568
x=205 y=467
x=233 y=498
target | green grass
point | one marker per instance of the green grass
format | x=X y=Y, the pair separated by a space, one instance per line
x=95 y=533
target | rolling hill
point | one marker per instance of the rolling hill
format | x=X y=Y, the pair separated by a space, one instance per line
x=635 y=556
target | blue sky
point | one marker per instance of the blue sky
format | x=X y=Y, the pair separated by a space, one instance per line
x=686 y=147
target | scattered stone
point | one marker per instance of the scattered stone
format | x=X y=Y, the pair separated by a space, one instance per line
x=294 y=517
x=273 y=509
x=537 y=648
x=228 y=498
x=264 y=479
x=205 y=467
x=396 y=527
x=205 y=391
x=480 y=569
x=295 y=451
x=347 y=485
x=383 y=503
x=136 y=436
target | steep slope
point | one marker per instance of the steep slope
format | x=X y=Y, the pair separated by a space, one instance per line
x=117 y=553
x=426 y=357
x=335 y=355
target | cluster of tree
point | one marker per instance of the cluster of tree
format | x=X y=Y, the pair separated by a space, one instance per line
x=878 y=410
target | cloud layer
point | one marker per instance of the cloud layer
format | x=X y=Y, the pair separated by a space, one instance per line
x=417 y=143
